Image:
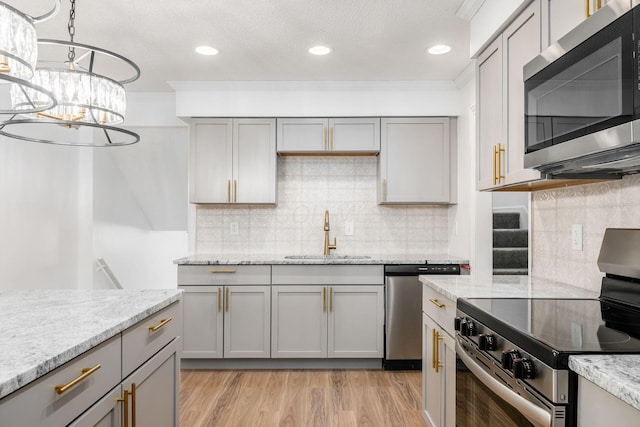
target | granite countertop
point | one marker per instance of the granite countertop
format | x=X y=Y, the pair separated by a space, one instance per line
x=618 y=374
x=454 y=287
x=205 y=259
x=43 y=329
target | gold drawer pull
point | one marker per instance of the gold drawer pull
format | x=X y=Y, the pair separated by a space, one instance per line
x=160 y=325
x=222 y=271
x=85 y=373
x=436 y=302
x=125 y=401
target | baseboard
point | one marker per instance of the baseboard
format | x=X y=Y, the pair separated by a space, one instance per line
x=281 y=363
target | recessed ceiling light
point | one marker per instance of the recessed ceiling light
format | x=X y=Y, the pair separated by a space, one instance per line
x=439 y=49
x=319 y=50
x=207 y=50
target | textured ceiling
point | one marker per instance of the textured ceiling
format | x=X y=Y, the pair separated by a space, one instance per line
x=268 y=39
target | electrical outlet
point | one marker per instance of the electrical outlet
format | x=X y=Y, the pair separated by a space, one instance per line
x=576 y=237
x=348 y=228
x=233 y=228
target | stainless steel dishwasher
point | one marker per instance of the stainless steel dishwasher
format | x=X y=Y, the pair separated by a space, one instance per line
x=403 y=322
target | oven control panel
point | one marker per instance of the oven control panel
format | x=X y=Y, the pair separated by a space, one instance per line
x=509 y=362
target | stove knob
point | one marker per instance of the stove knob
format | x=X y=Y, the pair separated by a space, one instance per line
x=457 y=321
x=487 y=342
x=508 y=356
x=524 y=368
x=472 y=329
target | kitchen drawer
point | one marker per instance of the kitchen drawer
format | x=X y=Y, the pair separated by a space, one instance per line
x=38 y=404
x=328 y=275
x=439 y=308
x=224 y=275
x=139 y=342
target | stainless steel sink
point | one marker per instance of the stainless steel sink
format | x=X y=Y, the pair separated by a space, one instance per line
x=327 y=257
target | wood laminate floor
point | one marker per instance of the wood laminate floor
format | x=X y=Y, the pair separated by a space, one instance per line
x=291 y=398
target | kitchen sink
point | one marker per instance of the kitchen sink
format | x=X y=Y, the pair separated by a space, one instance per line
x=327 y=257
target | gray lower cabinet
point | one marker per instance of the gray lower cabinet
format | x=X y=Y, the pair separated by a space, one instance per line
x=134 y=375
x=227 y=311
x=327 y=321
x=414 y=161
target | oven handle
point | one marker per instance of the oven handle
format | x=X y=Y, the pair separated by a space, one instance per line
x=534 y=413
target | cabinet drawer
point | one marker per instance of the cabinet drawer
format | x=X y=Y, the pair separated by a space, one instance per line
x=39 y=404
x=328 y=275
x=224 y=275
x=439 y=308
x=139 y=342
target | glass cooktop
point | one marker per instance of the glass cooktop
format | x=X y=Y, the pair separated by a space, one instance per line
x=548 y=328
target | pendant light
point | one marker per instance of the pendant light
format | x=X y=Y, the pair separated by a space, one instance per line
x=86 y=98
x=19 y=53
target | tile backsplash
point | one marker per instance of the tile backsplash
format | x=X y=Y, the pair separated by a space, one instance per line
x=596 y=207
x=307 y=186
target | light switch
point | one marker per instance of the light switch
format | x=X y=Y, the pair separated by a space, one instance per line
x=233 y=228
x=576 y=237
x=348 y=228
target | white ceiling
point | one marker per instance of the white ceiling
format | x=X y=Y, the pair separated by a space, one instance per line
x=268 y=39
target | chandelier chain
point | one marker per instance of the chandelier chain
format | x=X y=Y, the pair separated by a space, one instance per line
x=72 y=30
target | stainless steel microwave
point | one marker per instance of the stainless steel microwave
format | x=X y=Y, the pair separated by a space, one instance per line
x=582 y=98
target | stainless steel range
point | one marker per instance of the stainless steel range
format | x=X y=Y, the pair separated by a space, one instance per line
x=514 y=353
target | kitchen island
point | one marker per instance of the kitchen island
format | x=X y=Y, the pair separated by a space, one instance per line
x=47 y=332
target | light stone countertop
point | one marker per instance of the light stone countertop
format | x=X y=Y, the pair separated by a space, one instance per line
x=43 y=329
x=205 y=259
x=480 y=286
x=617 y=374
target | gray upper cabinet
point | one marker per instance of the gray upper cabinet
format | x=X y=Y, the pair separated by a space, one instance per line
x=232 y=161
x=328 y=136
x=500 y=103
x=561 y=16
x=413 y=166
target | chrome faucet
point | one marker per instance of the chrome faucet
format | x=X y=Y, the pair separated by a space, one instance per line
x=327 y=246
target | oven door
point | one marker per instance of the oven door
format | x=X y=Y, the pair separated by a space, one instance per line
x=484 y=399
x=588 y=89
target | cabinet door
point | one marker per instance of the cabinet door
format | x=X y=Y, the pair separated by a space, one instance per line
x=154 y=387
x=247 y=312
x=562 y=16
x=438 y=375
x=302 y=135
x=414 y=160
x=354 y=135
x=521 y=43
x=254 y=164
x=210 y=161
x=489 y=113
x=202 y=320
x=356 y=321
x=299 y=321
x=105 y=413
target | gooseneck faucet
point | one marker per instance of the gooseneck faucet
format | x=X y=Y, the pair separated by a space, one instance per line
x=327 y=246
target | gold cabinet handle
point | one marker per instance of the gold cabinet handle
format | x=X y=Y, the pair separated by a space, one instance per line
x=500 y=151
x=586 y=9
x=160 y=325
x=436 y=361
x=133 y=404
x=219 y=303
x=222 y=271
x=436 y=302
x=433 y=349
x=226 y=302
x=331 y=299
x=228 y=191
x=324 y=139
x=494 y=165
x=235 y=191
x=324 y=299
x=331 y=139
x=85 y=373
x=125 y=401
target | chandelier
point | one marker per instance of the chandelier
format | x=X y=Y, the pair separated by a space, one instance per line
x=18 y=56
x=86 y=98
